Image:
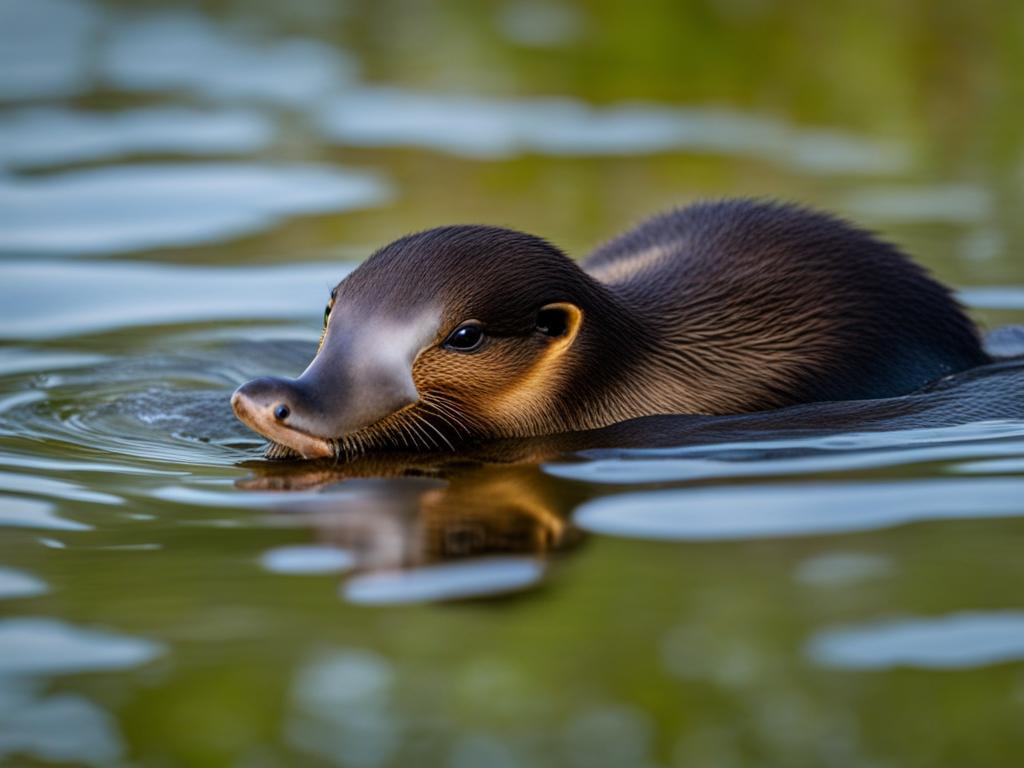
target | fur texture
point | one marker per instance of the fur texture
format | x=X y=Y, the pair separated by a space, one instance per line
x=717 y=308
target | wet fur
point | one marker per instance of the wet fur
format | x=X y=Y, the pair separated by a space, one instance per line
x=756 y=306
x=718 y=308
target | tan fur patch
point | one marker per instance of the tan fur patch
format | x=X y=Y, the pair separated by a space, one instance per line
x=526 y=397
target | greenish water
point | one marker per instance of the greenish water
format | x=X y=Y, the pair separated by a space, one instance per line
x=181 y=184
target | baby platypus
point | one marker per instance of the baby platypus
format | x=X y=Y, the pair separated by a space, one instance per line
x=466 y=333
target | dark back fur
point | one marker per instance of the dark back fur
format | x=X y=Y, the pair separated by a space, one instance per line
x=814 y=307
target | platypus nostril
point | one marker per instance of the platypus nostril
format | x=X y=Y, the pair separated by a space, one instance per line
x=282 y=412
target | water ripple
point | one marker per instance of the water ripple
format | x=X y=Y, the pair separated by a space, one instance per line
x=59 y=728
x=44 y=646
x=179 y=50
x=451 y=581
x=172 y=408
x=954 y=203
x=955 y=641
x=307 y=559
x=14 y=583
x=753 y=512
x=138 y=207
x=19 y=512
x=52 y=488
x=479 y=127
x=798 y=456
x=43 y=137
x=45 y=300
x=44 y=47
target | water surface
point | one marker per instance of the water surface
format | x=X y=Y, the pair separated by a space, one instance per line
x=180 y=186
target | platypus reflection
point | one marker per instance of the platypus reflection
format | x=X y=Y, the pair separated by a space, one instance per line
x=396 y=521
x=467 y=333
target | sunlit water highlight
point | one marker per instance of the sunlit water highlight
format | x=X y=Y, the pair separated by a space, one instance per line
x=946 y=642
x=137 y=207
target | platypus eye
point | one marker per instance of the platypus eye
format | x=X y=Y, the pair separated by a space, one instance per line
x=465 y=338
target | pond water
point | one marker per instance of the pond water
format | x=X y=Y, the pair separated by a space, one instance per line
x=180 y=186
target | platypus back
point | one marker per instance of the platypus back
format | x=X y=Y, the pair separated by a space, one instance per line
x=758 y=305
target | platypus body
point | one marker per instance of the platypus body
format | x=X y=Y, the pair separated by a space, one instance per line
x=469 y=333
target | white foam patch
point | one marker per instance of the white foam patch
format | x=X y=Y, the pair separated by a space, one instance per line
x=479 y=127
x=31 y=513
x=36 y=646
x=955 y=641
x=310 y=559
x=49 y=136
x=449 y=581
x=182 y=51
x=14 y=583
x=45 y=46
x=138 y=207
x=752 y=512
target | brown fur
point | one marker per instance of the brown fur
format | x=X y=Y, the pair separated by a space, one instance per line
x=719 y=308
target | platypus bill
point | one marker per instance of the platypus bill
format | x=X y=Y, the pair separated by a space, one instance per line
x=462 y=334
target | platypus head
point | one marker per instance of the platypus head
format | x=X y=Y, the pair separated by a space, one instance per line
x=446 y=335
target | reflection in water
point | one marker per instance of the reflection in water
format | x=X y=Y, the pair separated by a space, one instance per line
x=57 y=489
x=174 y=51
x=540 y=24
x=60 y=727
x=953 y=203
x=493 y=128
x=609 y=736
x=841 y=569
x=458 y=532
x=481 y=577
x=41 y=646
x=140 y=207
x=350 y=707
x=742 y=512
x=41 y=137
x=52 y=300
x=44 y=47
x=310 y=559
x=785 y=456
x=63 y=728
x=14 y=583
x=342 y=705
x=955 y=641
x=33 y=513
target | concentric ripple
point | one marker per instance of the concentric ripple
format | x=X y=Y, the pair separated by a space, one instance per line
x=165 y=408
